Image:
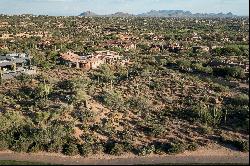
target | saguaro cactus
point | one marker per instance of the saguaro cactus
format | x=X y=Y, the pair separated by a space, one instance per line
x=1 y=76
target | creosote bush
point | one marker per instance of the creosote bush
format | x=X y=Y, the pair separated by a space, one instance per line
x=146 y=150
x=114 y=148
x=192 y=147
x=85 y=149
x=176 y=147
x=241 y=145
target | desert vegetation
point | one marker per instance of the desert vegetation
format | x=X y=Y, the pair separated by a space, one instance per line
x=163 y=102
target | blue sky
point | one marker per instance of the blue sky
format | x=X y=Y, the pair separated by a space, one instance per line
x=75 y=7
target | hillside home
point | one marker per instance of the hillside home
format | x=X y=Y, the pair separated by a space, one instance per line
x=88 y=62
x=16 y=63
x=6 y=36
x=126 y=45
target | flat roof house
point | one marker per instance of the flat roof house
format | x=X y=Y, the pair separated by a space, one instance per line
x=92 y=61
x=14 y=64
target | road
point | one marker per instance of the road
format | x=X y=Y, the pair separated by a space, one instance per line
x=202 y=156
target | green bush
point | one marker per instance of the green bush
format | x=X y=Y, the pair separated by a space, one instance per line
x=157 y=130
x=192 y=147
x=24 y=78
x=206 y=130
x=85 y=149
x=3 y=145
x=140 y=103
x=21 y=145
x=183 y=64
x=98 y=148
x=84 y=115
x=113 y=99
x=55 y=146
x=145 y=150
x=219 y=88
x=230 y=50
x=161 y=148
x=128 y=146
x=241 y=145
x=241 y=99
x=114 y=148
x=237 y=117
x=70 y=149
x=200 y=68
x=176 y=147
x=35 y=147
x=235 y=72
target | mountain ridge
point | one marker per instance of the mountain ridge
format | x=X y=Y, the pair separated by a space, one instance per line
x=161 y=13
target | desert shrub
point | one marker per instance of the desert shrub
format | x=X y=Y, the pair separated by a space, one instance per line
x=237 y=117
x=70 y=149
x=155 y=85
x=141 y=103
x=89 y=138
x=157 y=130
x=235 y=72
x=183 y=64
x=41 y=103
x=161 y=147
x=21 y=145
x=200 y=112
x=35 y=147
x=206 y=129
x=4 y=145
x=145 y=150
x=192 y=147
x=91 y=90
x=241 y=145
x=241 y=99
x=191 y=114
x=113 y=99
x=114 y=148
x=11 y=119
x=57 y=134
x=84 y=115
x=200 y=68
x=104 y=73
x=219 y=88
x=176 y=147
x=24 y=78
x=128 y=146
x=126 y=135
x=55 y=146
x=41 y=117
x=98 y=148
x=85 y=149
x=42 y=91
x=66 y=85
x=230 y=50
x=26 y=92
x=21 y=141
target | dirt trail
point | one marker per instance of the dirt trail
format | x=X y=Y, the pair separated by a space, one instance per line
x=212 y=154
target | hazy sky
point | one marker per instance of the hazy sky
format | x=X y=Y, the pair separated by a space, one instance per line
x=75 y=7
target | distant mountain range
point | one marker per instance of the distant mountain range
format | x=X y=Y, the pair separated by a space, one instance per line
x=161 y=13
